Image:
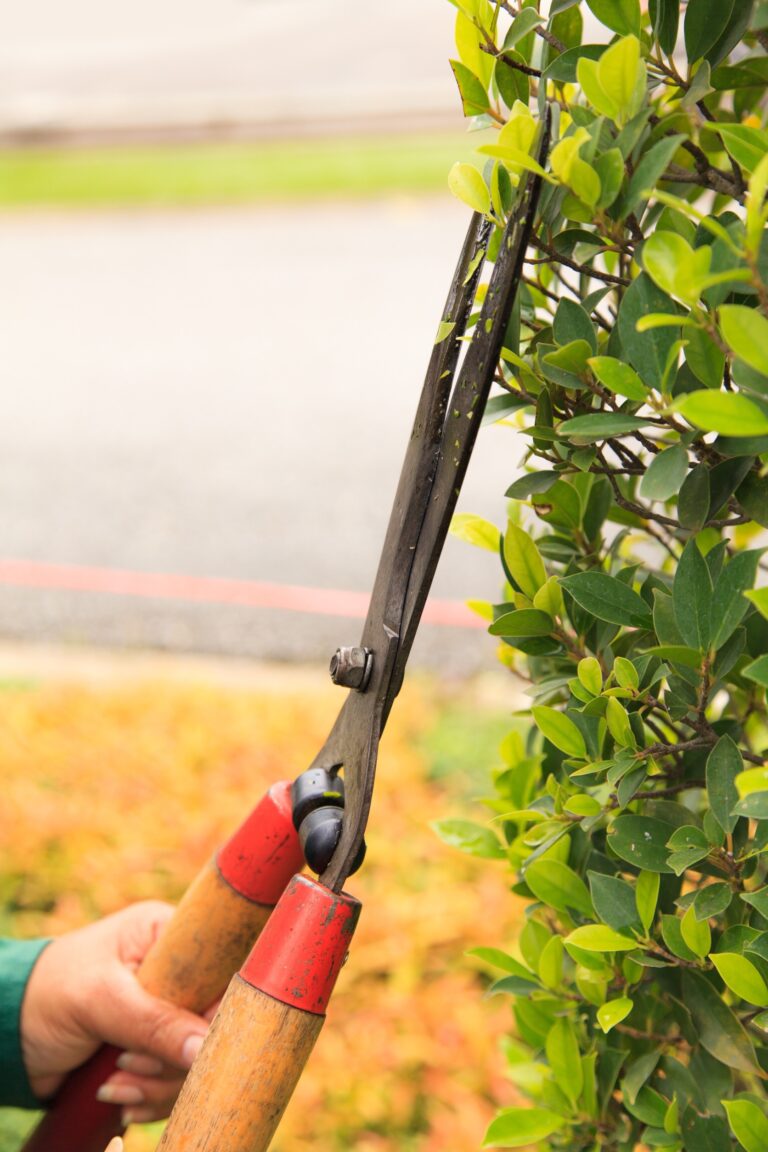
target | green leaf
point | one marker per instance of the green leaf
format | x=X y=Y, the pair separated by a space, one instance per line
x=694 y=499
x=467 y=184
x=647 y=352
x=724 y=763
x=642 y=841
x=518 y=1127
x=745 y=330
x=665 y=474
x=704 y=358
x=758 y=900
x=474 y=98
x=705 y=22
x=532 y=482
x=474 y=530
x=747 y=145
x=760 y=600
x=696 y=934
x=692 y=597
x=621 y=74
x=499 y=959
x=523 y=561
x=622 y=16
x=560 y=730
x=712 y=900
x=614 y=901
x=590 y=675
x=525 y=622
x=665 y=17
x=675 y=267
x=522 y=24
x=730 y=413
x=720 y=1032
x=742 y=977
x=757 y=671
x=601 y=425
x=618 y=377
x=755 y=806
x=558 y=886
x=571 y=323
x=749 y=1124
x=729 y=604
x=564 y=1058
x=613 y=1012
x=607 y=598
x=646 y=897
x=648 y=172
x=617 y=719
x=471 y=838
x=600 y=938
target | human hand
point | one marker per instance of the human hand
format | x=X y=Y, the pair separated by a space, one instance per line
x=83 y=993
x=115 y=1145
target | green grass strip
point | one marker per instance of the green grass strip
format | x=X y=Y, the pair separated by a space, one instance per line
x=228 y=173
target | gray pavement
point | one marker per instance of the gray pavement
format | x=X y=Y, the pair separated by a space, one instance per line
x=224 y=393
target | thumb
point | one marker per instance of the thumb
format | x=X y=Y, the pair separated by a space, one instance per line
x=140 y=1022
x=115 y=1145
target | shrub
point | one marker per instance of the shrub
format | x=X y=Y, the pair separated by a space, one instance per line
x=632 y=806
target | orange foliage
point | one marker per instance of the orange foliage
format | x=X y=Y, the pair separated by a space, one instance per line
x=121 y=793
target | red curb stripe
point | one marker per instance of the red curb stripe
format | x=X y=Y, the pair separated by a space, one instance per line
x=217 y=590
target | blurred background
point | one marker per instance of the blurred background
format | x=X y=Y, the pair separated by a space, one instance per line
x=225 y=242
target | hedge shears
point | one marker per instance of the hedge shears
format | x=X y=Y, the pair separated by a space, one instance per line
x=274 y=1006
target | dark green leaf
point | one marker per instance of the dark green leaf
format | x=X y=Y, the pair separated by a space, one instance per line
x=758 y=900
x=712 y=900
x=665 y=17
x=531 y=483
x=614 y=901
x=607 y=598
x=562 y=70
x=648 y=172
x=622 y=16
x=642 y=841
x=672 y=935
x=705 y=1133
x=752 y=495
x=647 y=352
x=723 y=765
x=638 y=1073
x=601 y=425
x=728 y=603
x=572 y=323
x=665 y=474
x=692 y=597
x=694 y=499
x=525 y=622
x=500 y=406
x=705 y=22
x=720 y=1032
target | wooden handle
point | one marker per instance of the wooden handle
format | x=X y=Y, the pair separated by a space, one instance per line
x=191 y=963
x=253 y=1056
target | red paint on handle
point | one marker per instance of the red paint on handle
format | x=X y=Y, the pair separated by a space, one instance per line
x=264 y=853
x=300 y=952
x=80 y=1122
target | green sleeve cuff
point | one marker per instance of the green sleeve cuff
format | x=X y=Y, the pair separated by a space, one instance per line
x=17 y=959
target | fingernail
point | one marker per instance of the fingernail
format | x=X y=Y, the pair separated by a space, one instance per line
x=120 y=1094
x=139 y=1064
x=115 y=1145
x=138 y=1116
x=192 y=1046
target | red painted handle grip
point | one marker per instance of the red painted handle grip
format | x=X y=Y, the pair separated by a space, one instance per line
x=80 y=1122
x=192 y=962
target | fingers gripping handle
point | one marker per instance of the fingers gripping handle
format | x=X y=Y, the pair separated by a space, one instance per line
x=269 y=1020
x=206 y=941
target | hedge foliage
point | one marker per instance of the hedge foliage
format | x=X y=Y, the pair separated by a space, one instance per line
x=632 y=807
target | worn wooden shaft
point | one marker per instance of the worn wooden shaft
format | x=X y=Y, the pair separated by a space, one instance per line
x=253 y=1056
x=192 y=961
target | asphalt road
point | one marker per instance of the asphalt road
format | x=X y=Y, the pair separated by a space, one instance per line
x=224 y=393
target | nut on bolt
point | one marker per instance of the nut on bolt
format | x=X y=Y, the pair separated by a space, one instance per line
x=351 y=668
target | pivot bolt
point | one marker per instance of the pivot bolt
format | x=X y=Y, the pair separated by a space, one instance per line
x=352 y=667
